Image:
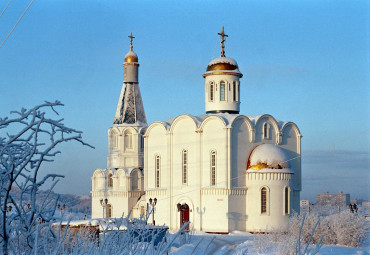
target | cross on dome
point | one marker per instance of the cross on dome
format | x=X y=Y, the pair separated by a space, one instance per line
x=223 y=35
x=131 y=39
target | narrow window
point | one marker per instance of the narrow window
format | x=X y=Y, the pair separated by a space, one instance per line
x=263 y=200
x=128 y=140
x=184 y=167
x=222 y=91
x=113 y=140
x=213 y=168
x=234 y=91
x=135 y=180
x=238 y=86
x=211 y=92
x=157 y=169
x=142 y=142
x=110 y=180
x=109 y=211
x=266 y=129
x=286 y=198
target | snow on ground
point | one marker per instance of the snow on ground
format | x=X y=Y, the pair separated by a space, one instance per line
x=238 y=243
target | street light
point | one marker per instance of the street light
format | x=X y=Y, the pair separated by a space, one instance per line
x=61 y=208
x=104 y=203
x=153 y=203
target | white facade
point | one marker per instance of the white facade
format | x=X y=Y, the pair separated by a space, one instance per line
x=222 y=171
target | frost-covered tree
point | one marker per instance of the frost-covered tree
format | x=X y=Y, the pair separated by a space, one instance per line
x=28 y=138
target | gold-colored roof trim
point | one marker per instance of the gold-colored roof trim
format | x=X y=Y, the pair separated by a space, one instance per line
x=222 y=73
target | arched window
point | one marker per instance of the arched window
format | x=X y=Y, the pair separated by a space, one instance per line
x=234 y=91
x=184 y=167
x=142 y=142
x=266 y=130
x=109 y=211
x=238 y=91
x=211 y=91
x=113 y=140
x=213 y=168
x=128 y=140
x=286 y=200
x=263 y=200
x=110 y=180
x=135 y=180
x=157 y=170
x=222 y=91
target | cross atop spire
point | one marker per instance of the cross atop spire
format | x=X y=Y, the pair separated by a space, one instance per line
x=223 y=35
x=131 y=39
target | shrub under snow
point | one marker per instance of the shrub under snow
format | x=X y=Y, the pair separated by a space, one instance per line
x=346 y=229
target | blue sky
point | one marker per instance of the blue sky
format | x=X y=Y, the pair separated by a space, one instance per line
x=303 y=61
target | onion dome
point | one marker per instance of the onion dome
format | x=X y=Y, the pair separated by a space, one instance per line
x=267 y=156
x=222 y=64
x=131 y=57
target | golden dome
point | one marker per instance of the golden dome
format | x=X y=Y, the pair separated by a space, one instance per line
x=221 y=66
x=131 y=57
x=267 y=156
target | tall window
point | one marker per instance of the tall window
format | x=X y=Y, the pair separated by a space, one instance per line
x=266 y=132
x=213 y=168
x=211 y=91
x=142 y=142
x=222 y=91
x=264 y=200
x=184 y=167
x=135 y=180
x=286 y=200
x=157 y=170
x=234 y=91
x=113 y=140
x=109 y=211
x=110 y=180
x=128 y=140
x=238 y=89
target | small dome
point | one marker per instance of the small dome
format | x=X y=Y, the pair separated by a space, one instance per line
x=222 y=63
x=131 y=57
x=267 y=156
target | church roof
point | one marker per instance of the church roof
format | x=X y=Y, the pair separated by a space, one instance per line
x=130 y=108
x=226 y=117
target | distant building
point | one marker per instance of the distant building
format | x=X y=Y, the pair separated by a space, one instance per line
x=338 y=199
x=304 y=203
x=366 y=203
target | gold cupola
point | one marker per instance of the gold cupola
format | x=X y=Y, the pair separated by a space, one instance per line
x=222 y=64
x=131 y=56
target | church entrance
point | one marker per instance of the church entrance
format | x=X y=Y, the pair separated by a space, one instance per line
x=184 y=215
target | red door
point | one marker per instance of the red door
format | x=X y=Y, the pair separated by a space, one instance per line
x=184 y=215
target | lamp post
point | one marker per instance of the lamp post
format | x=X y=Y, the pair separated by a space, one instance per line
x=104 y=203
x=61 y=208
x=153 y=203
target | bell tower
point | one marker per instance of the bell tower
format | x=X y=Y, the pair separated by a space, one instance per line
x=222 y=86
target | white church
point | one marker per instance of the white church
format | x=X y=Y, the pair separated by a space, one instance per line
x=222 y=171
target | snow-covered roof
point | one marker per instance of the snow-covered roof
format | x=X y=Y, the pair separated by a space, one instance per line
x=227 y=118
x=223 y=60
x=131 y=54
x=130 y=108
x=268 y=157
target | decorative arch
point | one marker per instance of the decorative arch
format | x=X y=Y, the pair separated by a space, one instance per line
x=209 y=118
x=294 y=126
x=135 y=179
x=181 y=117
x=274 y=123
x=249 y=125
x=156 y=124
x=184 y=200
